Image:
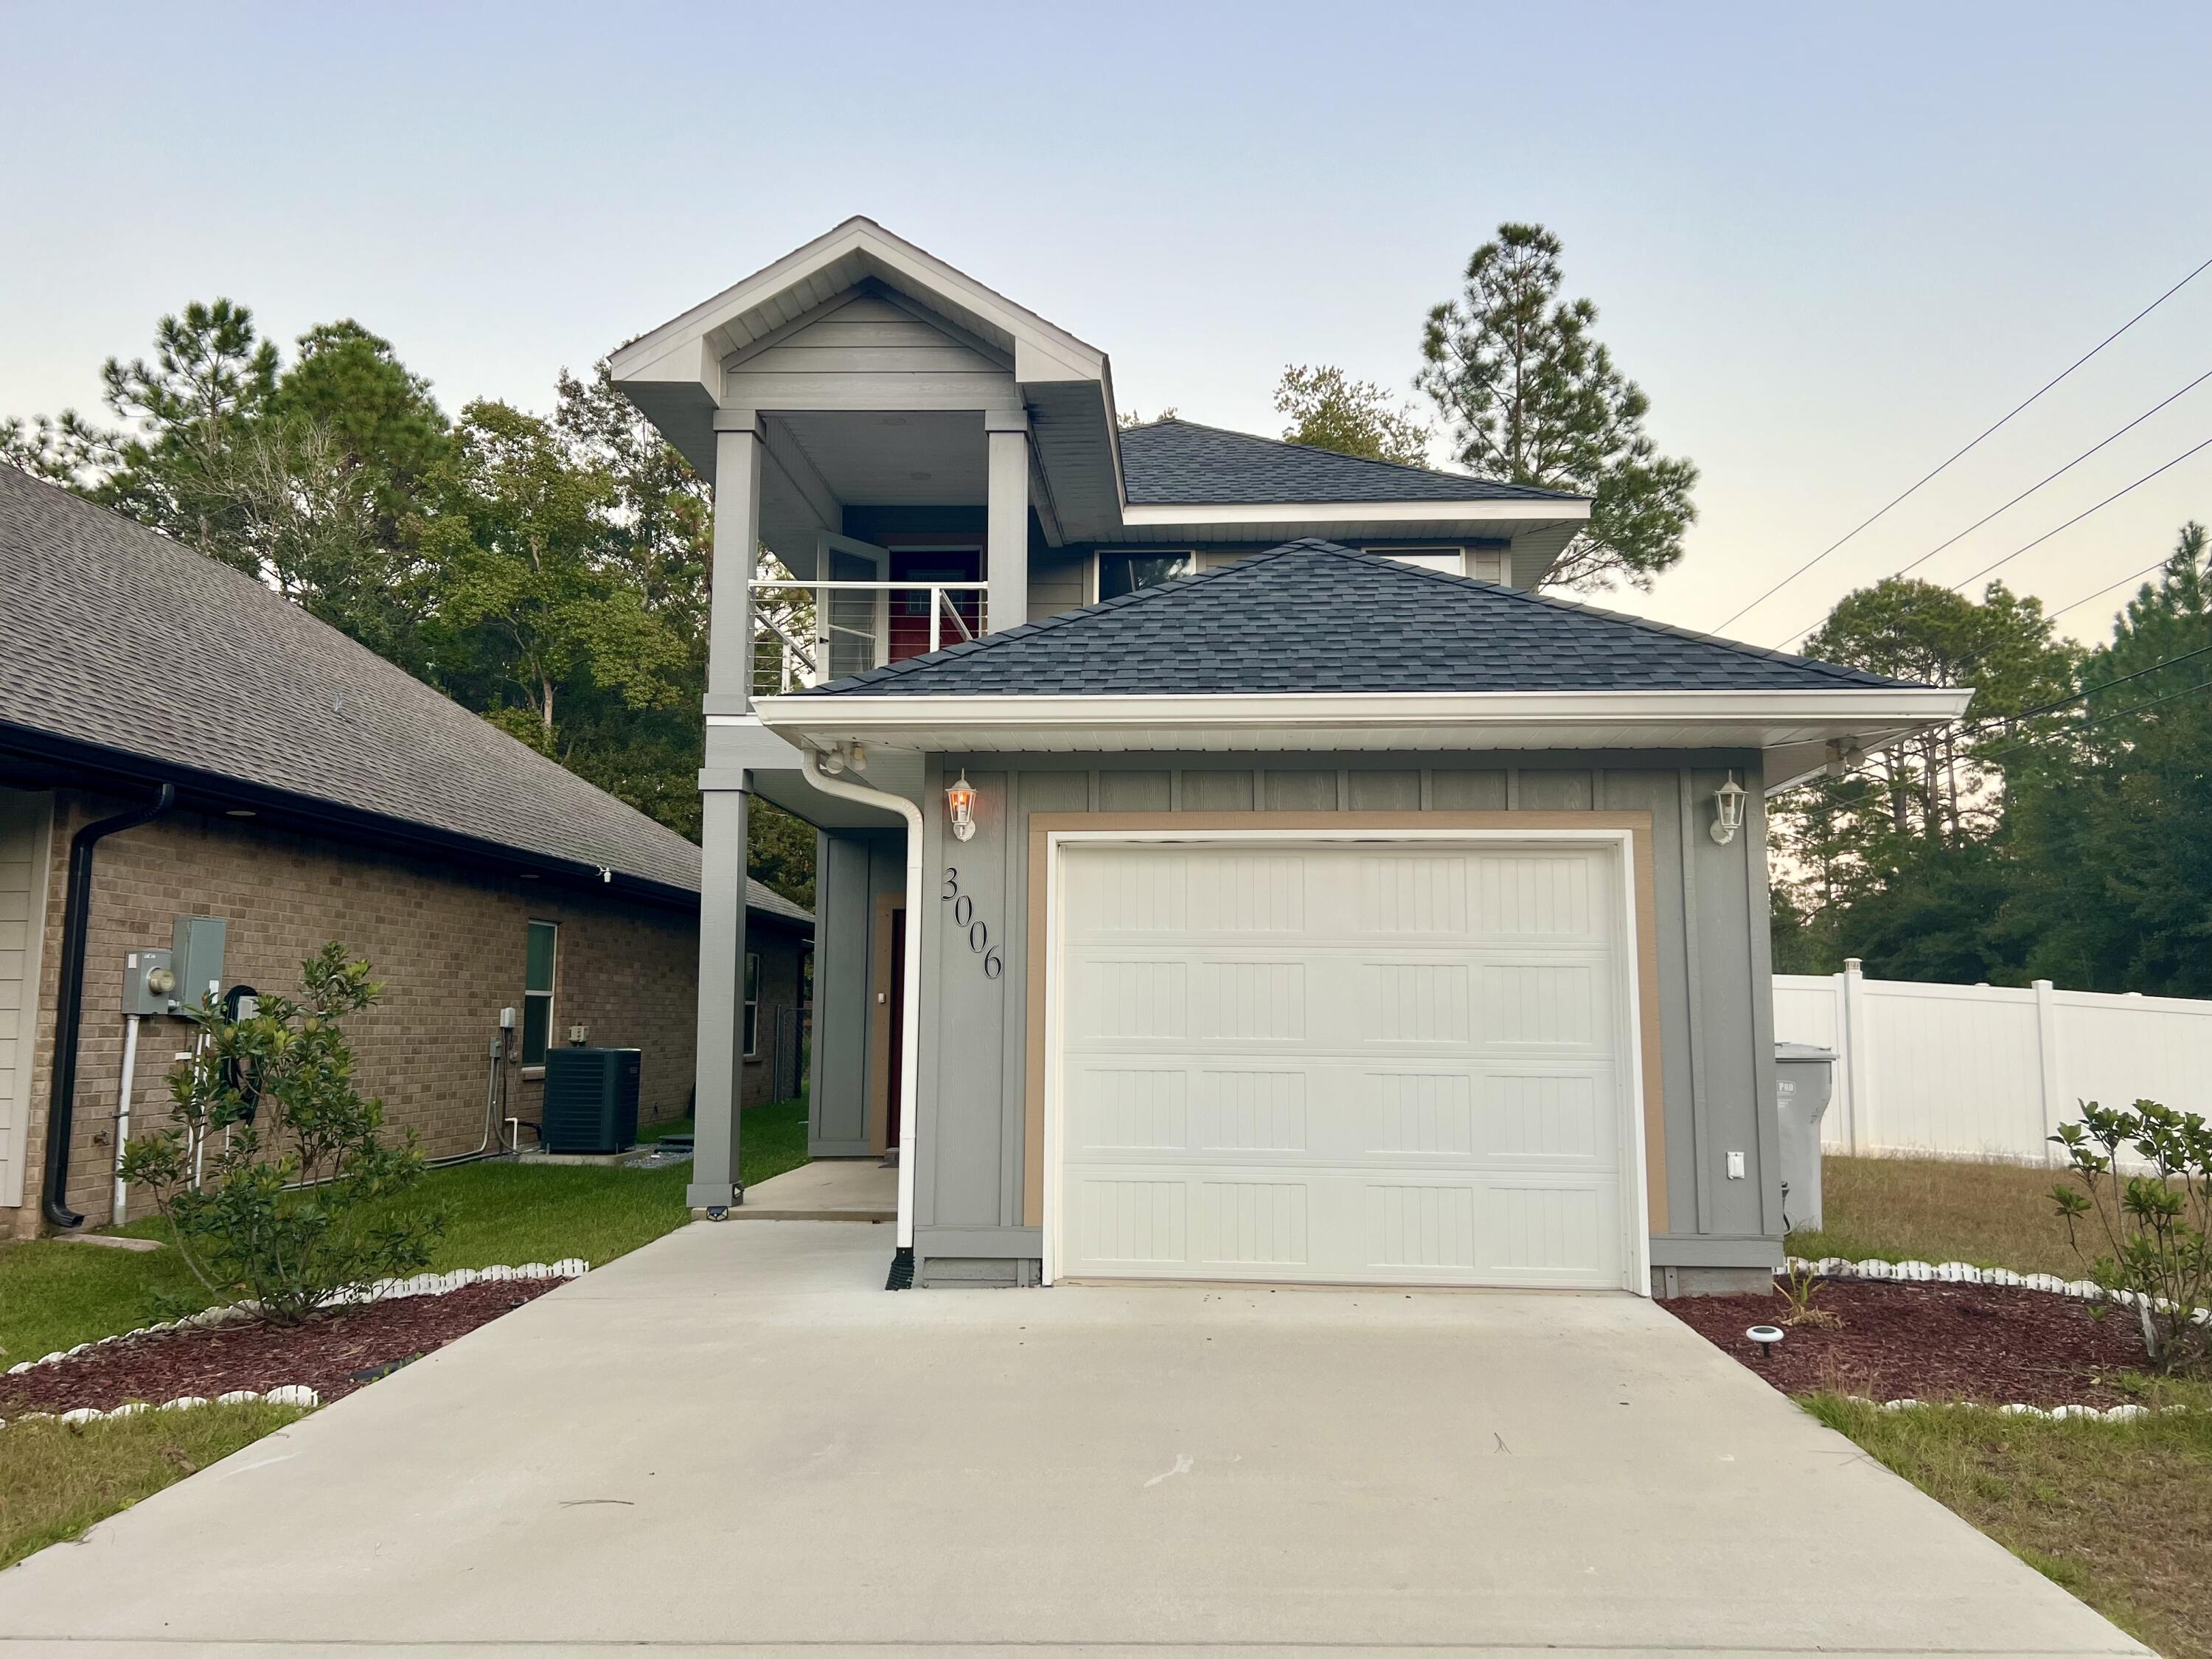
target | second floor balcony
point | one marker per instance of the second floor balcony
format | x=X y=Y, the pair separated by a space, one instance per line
x=806 y=632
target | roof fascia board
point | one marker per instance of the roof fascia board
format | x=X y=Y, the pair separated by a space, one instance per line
x=1858 y=714
x=1291 y=514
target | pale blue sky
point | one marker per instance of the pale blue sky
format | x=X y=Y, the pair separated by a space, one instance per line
x=1831 y=247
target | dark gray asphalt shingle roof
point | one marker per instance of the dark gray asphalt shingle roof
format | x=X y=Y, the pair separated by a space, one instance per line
x=1181 y=463
x=113 y=635
x=1312 y=617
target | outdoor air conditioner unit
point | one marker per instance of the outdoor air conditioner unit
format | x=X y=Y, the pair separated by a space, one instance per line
x=591 y=1100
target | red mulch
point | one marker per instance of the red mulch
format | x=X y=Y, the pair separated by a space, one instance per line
x=325 y=1354
x=1930 y=1340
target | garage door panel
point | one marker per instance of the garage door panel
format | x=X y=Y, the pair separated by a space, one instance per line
x=1244 y=1110
x=1120 y=1108
x=1342 y=1065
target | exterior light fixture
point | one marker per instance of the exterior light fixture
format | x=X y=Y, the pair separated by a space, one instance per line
x=1727 y=809
x=1764 y=1337
x=960 y=807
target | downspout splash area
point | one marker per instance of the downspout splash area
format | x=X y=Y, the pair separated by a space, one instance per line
x=77 y=918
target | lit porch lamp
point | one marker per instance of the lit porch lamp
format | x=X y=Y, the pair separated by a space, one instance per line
x=960 y=806
x=1728 y=810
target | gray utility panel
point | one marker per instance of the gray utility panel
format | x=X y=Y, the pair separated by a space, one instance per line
x=197 y=946
x=1804 y=1076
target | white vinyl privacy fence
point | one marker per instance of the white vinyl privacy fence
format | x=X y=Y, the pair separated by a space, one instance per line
x=1983 y=1071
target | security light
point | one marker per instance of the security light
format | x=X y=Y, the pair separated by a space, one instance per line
x=960 y=807
x=1727 y=809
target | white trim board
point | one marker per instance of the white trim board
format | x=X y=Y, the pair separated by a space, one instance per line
x=1634 y=1212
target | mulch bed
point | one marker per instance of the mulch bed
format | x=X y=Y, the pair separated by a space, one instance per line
x=326 y=1355
x=1933 y=1342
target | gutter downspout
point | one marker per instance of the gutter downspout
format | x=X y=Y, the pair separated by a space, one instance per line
x=910 y=1000
x=77 y=918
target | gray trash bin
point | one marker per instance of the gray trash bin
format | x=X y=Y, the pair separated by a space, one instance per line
x=1803 y=1079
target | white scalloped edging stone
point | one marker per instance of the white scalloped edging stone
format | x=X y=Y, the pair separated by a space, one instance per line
x=2056 y=1414
x=1963 y=1272
x=288 y=1394
x=385 y=1290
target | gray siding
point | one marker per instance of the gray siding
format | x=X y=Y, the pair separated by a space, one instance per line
x=864 y=355
x=851 y=868
x=1714 y=1009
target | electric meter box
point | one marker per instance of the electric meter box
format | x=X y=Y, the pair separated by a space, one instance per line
x=149 y=982
x=197 y=943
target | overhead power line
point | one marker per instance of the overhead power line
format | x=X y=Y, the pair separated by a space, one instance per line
x=2109 y=587
x=2125 y=489
x=1986 y=432
x=2048 y=478
x=2025 y=744
x=2088 y=691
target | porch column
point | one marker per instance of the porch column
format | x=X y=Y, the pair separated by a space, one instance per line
x=1007 y=543
x=719 y=1079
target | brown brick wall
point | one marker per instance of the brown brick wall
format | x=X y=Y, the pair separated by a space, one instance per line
x=446 y=940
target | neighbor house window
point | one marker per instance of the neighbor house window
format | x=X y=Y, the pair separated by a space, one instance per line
x=1125 y=573
x=537 y=991
x=752 y=1005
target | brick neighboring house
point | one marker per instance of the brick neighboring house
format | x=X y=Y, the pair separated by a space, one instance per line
x=318 y=793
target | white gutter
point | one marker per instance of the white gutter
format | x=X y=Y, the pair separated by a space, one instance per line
x=1414 y=720
x=911 y=999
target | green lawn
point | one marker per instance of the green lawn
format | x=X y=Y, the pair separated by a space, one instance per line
x=2120 y=1514
x=54 y=1295
x=56 y=1479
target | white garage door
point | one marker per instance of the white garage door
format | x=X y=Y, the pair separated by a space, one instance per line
x=1365 y=1063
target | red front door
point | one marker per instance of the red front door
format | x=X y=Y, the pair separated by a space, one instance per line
x=909 y=617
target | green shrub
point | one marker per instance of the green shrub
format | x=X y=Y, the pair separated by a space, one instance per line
x=2156 y=1228
x=273 y=1177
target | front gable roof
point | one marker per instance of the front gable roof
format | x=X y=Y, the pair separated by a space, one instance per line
x=1316 y=619
x=1183 y=463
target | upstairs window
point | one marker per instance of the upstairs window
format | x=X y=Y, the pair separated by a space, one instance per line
x=1452 y=561
x=1126 y=572
x=538 y=968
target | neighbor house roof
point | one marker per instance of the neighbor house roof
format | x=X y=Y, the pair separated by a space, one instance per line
x=1312 y=617
x=1181 y=463
x=118 y=644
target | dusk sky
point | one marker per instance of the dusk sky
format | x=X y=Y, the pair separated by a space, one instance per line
x=1832 y=248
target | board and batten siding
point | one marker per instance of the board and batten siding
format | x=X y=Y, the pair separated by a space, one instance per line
x=868 y=354
x=1713 y=975
x=25 y=827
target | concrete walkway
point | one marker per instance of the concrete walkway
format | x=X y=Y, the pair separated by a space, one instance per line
x=735 y=1442
x=827 y=1189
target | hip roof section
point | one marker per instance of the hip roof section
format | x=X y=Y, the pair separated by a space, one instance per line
x=1314 y=617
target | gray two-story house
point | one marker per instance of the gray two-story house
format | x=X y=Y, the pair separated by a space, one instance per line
x=1231 y=867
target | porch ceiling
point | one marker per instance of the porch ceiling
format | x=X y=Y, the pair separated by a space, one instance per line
x=936 y=458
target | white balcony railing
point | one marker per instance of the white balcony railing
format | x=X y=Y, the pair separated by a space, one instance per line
x=805 y=633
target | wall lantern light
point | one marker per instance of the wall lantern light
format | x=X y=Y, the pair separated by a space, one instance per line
x=960 y=807
x=1728 y=810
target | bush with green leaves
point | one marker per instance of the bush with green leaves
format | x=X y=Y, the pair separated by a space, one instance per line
x=2156 y=1226
x=275 y=1177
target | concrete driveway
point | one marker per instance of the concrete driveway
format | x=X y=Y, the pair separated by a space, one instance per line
x=735 y=1442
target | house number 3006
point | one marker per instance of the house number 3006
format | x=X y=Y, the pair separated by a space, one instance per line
x=978 y=930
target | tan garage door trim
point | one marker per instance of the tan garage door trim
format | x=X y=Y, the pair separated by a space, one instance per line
x=1043 y=825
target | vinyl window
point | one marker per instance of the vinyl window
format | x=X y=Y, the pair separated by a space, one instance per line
x=540 y=955
x=752 y=1004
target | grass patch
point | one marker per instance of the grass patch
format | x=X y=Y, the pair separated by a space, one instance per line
x=58 y=1479
x=1926 y=1209
x=2119 y=1514
x=55 y=1295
